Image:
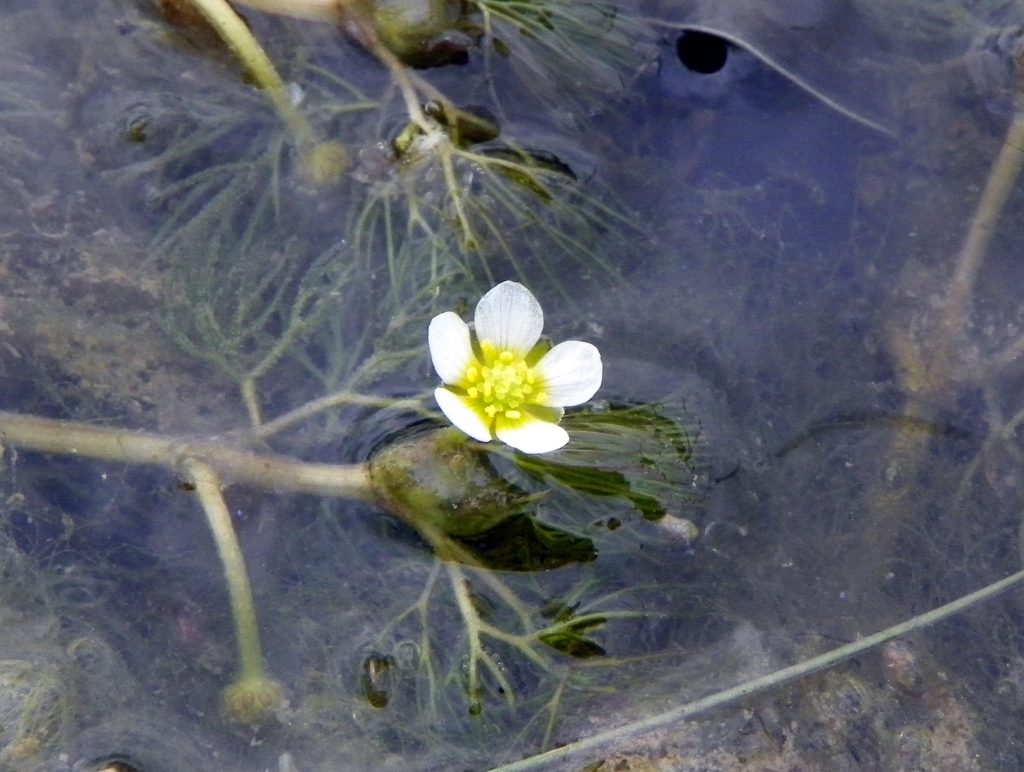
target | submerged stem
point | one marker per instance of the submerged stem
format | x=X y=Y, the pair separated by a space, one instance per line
x=241 y=41
x=243 y=610
x=772 y=680
x=471 y=620
x=252 y=696
x=998 y=187
x=337 y=399
x=310 y=10
x=48 y=435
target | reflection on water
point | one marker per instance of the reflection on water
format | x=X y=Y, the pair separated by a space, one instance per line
x=765 y=247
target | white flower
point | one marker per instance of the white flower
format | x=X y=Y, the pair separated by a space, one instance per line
x=505 y=385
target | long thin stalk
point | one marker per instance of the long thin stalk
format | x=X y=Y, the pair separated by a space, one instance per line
x=47 y=435
x=764 y=683
x=241 y=41
x=336 y=399
x=252 y=697
x=243 y=610
x=1002 y=180
x=310 y=10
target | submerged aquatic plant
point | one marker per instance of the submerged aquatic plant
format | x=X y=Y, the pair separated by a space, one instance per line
x=501 y=380
x=270 y=266
x=567 y=52
x=302 y=291
x=472 y=517
x=325 y=160
x=450 y=191
x=474 y=200
x=641 y=453
x=276 y=265
x=513 y=632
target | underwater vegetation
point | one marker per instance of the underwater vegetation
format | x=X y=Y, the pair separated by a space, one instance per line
x=281 y=273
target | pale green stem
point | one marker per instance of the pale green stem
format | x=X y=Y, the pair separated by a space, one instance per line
x=469 y=239
x=47 y=435
x=310 y=10
x=243 y=610
x=472 y=623
x=337 y=399
x=251 y=400
x=421 y=607
x=524 y=642
x=240 y=40
x=475 y=627
x=452 y=552
x=773 y=680
x=1000 y=184
x=552 y=708
x=407 y=85
x=405 y=81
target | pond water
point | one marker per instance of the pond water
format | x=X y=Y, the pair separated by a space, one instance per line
x=757 y=211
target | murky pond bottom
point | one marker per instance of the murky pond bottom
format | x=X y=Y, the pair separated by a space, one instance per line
x=789 y=230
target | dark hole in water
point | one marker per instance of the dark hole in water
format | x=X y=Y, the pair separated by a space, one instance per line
x=702 y=52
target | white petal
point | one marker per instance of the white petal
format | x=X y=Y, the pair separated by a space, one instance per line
x=572 y=373
x=510 y=317
x=462 y=415
x=532 y=435
x=450 y=349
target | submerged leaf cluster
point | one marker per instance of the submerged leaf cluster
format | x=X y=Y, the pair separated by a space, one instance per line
x=301 y=237
x=273 y=260
x=277 y=274
x=640 y=453
x=297 y=227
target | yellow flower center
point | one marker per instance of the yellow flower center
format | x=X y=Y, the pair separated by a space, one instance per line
x=502 y=383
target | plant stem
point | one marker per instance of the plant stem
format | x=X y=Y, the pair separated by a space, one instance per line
x=252 y=697
x=47 y=435
x=240 y=40
x=764 y=683
x=243 y=611
x=338 y=398
x=310 y=10
x=471 y=620
x=998 y=187
x=251 y=400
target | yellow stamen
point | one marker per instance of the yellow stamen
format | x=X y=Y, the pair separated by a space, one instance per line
x=501 y=383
